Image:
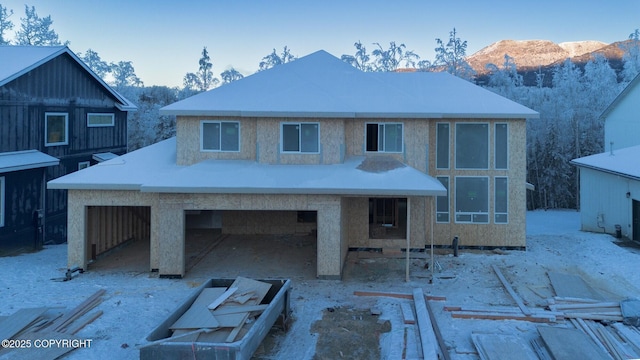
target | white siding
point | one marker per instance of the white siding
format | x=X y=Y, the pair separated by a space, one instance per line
x=622 y=124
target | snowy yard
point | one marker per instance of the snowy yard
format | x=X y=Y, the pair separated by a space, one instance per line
x=136 y=301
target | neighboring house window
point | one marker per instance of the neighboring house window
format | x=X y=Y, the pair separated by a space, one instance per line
x=501 y=146
x=472 y=199
x=386 y=137
x=56 y=129
x=300 y=137
x=442 y=146
x=1 y=201
x=100 y=119
x=442 y=202
x=501 y=200
x=472 y=146
x=83 y=165
x=219 y=135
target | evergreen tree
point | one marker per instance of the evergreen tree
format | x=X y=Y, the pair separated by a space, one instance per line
x=452 y=57
x=203 y=79
x=631 y=56
x=35 y=30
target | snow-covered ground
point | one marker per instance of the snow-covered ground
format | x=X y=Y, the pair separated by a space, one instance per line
x=136 y=302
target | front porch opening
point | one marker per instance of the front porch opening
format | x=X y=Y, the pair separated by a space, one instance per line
x=388 y=218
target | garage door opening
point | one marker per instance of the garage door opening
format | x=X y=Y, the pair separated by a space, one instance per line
x=118 y=236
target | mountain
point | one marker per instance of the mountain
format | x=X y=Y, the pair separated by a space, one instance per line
x=533 y=56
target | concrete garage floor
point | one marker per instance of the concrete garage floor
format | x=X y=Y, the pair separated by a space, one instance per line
x=209 y=254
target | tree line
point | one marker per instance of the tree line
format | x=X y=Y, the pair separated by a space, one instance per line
x=569 y=125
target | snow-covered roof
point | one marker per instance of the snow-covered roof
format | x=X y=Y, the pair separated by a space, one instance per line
x=16 y=61
x=100 y=157
x=154 y=169
x=623 y=94
x=321 y=85
x=623 y=162
x=25 y=160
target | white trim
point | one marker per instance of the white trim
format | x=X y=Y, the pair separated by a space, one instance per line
x=471 y=214
x=219 y=122
x=495 y=145
x=283 y=151
x=113 y=121
x=384 y=137
x=455 y=145
x=2 y=196
x=66 y=128
x=495 y=213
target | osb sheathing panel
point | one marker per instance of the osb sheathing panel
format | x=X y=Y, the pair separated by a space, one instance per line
x=416 y=137
x=512 y=234
x=188 y=140
x=264 y=222
x=357 y=215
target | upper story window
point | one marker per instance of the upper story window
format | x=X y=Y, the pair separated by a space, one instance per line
x=472 y=146
x=1 y=201
x=384 y=137
x=442 y=146
x=219 y=135
x=300 y=137
x=501 y=150
x=100 y=119
x=56 y=129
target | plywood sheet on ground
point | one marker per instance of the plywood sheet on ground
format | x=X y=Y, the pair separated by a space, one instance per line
x=19 y=320
x=503 y=347
x=257 y=290
x=570 y=285
x=570 y=344
x=198 y=316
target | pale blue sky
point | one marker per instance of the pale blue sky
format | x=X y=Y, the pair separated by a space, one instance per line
x=164 y=38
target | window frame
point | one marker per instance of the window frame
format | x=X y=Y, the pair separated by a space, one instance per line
x=384 y=140
x=444 y=198
x=457 y=150
x=2 y=201
x=46 y=129
x=84 y=164
x=495 y=200
x=220 y=142
x=504 y=147
x=472 y=214
x=300 y=137
x=439 y=146
x=112 y=115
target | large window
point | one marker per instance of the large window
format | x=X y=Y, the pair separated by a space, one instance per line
x=219 y=135
x=442 y=202
x=385 y=137
x=100 y=120
x=56 y=129
x=442 y=146
x=501 y=149
x=301 y=137
x=472 y=199
x=472 y=146
x=1 y=201
x=501 y=203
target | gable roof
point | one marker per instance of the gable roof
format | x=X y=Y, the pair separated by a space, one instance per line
x=623 y=162
x=19 y=60
x=321 y=85
x=620 y=97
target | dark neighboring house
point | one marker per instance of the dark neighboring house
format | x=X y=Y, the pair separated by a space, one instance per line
x=56 y=117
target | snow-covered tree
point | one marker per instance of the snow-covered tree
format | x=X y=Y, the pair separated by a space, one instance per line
x=95 y=63
x=505 y=80
x=275 y=59
x=5 y=23
x=360 y=60
x=230 y=75
x=631 y=56
x=202 y=80
x=35 y=30
x=124 y=75
x=390 y=59
x=452 y=57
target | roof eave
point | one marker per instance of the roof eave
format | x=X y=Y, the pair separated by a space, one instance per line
x=608 y=171
x=294 y=191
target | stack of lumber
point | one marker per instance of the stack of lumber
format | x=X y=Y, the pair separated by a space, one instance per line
x=221 y=314
x=26 y=326
x=577 y=308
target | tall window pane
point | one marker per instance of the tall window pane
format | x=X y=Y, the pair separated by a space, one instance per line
x=501 y=196
x=501 y=148
x=393 y=137
x=472 y=146
x=230 y=136
x=290 y=137
x=442 y=202
x=309 y=138
x=211 y=136
x=442 y=146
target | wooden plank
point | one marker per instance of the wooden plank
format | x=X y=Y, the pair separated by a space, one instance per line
x=397 y=295
x=198 y=315
x=593 y=316
x=570 y=285
x=427 y=336
x=235 y=309
x=85 y=306
x=510 y=290
x=407 y=313
x=501 y=316
x=244 y=285
x=581 y=324
x=502 y=347
x=629 y=336
x=610 y=304
x=570 y=344
x=222 y=298
x=43 y=352
x=19 y=320
x=84 y=322
x=436 y=329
